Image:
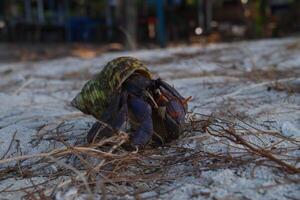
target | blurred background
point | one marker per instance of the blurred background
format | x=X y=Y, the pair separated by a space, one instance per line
x=37 y=29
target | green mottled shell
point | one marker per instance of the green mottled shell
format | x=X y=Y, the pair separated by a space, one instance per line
x=98 y=92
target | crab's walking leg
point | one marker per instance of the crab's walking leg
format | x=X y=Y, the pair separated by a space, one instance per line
x=143 y=115
x=114 y=118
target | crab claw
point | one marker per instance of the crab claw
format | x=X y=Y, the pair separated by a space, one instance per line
x=172 y=108
x=173 y=119
x=176 y=111
x=173 y=92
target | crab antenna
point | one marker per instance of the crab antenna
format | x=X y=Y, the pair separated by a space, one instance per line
x=151 y=98
x=185 y=101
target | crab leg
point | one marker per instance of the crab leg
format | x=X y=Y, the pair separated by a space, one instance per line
x=115 y=118
x=117 y=121
x=143 y=116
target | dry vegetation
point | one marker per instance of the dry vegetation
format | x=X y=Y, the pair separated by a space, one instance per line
x=107 y=169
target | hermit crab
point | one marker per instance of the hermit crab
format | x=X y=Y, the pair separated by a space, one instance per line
x=125 y=95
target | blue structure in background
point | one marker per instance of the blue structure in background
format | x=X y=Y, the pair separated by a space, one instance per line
x=81 y=29
x=52 y=20
x=161 y=32
x=160 y=15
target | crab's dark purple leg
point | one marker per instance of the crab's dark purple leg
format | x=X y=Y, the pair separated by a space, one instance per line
x=120 y=117
x=143 y=116
x=113 y=117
